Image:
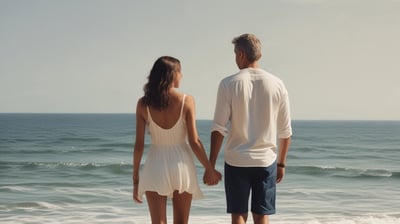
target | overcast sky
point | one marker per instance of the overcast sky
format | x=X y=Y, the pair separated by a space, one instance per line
x=339 y=59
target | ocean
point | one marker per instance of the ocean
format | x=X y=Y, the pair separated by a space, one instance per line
x=76 y=168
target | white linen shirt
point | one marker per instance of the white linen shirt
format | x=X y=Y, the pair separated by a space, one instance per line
x=252 y=109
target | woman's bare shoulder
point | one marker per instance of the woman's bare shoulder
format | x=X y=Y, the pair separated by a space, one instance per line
x=189 y=103
x=140 y=102
x=189 y=99
x=140 y=106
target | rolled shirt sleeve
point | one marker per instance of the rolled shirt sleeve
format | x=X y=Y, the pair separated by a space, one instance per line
x=222 y=111
x=284 y=119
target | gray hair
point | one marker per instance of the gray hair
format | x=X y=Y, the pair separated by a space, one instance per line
x=250 y=45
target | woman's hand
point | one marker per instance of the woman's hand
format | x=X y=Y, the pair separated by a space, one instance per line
x=135 y=193
x=211 y=177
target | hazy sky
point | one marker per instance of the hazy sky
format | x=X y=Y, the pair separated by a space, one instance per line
x=339 y=59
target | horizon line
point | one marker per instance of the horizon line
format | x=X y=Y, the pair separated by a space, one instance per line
x=126 y=113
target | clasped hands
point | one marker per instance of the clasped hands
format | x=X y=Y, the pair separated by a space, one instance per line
x=211 y=177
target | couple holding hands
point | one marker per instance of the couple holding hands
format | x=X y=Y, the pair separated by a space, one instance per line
x=252 y=111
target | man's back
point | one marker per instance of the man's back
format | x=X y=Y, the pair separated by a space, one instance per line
x=257 y=106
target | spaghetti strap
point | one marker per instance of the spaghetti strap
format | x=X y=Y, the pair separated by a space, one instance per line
x=148 y=113
x=183 y=103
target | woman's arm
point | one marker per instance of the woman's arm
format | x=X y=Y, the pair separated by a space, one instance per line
x=213 y=176
x=138 y=148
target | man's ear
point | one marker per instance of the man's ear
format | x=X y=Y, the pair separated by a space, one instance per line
x=242 y=55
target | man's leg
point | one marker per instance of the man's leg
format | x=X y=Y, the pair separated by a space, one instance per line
x=260 y=219
x=237 y=190
x=263 y=193
x=239 y=218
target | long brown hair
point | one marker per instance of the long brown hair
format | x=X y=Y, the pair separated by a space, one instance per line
x=159 y=81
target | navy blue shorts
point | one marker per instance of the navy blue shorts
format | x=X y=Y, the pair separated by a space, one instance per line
x=260 y=181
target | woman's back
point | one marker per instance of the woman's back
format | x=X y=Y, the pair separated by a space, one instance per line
x=167 y=130
x=166 y=118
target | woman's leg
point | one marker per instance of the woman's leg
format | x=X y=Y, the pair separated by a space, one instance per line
x=181 y=204
x=157 y=206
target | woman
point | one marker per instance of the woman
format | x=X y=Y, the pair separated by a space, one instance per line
x=169 y=170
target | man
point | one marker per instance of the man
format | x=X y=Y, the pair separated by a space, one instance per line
x=252 y=110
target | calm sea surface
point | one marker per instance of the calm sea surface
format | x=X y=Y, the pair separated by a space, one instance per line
x=76 y=168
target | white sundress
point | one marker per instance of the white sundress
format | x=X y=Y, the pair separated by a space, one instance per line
x=169 y=165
